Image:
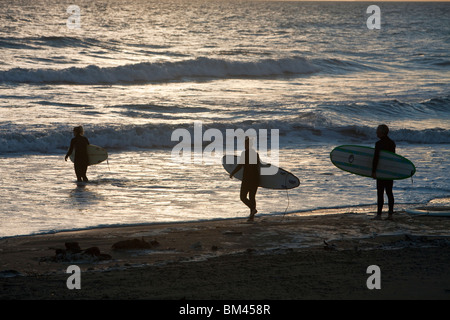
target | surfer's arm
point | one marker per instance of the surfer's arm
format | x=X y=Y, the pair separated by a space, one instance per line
x=69 y=152
x=238 y=167
x=264 y=164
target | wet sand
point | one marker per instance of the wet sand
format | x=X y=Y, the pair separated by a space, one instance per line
x=289 y=257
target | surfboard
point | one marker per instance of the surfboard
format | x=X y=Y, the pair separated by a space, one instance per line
x=358 y=160
x=430 y=211
x=96 y=154
x=281 y=180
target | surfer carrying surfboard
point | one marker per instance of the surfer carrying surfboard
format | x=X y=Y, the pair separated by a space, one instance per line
x=79 y=144
x=385 y=143
x=250 y=181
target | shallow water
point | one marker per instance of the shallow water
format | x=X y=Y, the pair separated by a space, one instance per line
x=143 y=187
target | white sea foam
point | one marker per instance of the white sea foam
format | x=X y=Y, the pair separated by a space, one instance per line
x=161 y=71
x=56 y=140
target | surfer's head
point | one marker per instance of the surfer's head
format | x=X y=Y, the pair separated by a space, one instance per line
x=78 y=131
x=382 y=131
x=248 y=143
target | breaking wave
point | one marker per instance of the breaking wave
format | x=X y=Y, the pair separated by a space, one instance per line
x=147 y=72
x=56 y=140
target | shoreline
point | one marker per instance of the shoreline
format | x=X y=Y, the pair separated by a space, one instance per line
x=356 y=209
x=180 y=257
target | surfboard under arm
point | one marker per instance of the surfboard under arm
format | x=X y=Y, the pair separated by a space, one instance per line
x=358 y=160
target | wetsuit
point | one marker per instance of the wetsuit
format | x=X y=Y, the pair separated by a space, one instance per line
x=250 y=179
x=387 y=144
x=79 y=145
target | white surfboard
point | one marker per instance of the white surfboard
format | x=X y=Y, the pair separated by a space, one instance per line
x=281 y=180
x=430 y=211
x=96 y=154
x=358 y=160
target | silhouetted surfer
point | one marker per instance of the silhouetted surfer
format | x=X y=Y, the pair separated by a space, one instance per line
x=250 y=179
x=79 y=144
x=385 y=143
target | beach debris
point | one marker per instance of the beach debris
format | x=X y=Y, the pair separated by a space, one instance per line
x=232 y=233
x=135 y=244
x=196 y=246
x=73 y=247
x=93 y=251
x=416 y=241
x=329 y=246
x=74 y=253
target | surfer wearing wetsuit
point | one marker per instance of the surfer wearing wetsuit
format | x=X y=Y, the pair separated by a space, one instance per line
x=250 y=180
x=385 y=143
x=79 y=144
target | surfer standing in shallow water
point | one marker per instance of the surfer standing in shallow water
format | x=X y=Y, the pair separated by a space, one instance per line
x=79 y=144
x=385 y=143
x=250 y=180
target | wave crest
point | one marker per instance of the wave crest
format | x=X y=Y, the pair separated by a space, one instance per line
x=161 y=71
x=301 y=130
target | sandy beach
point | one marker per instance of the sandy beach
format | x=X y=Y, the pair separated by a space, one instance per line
x=291 y=257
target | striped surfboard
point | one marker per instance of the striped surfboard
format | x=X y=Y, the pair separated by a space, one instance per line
x=358 y=160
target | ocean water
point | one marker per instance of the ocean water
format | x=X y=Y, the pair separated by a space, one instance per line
x=136 y=71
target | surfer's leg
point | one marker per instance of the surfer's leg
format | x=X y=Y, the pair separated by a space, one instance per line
x=380 y=196
x=80 y=171
x=252 y=197
x=83 y=173
x=252 y=200
x=390 y=195
x=244 y=191
x=77 y=171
